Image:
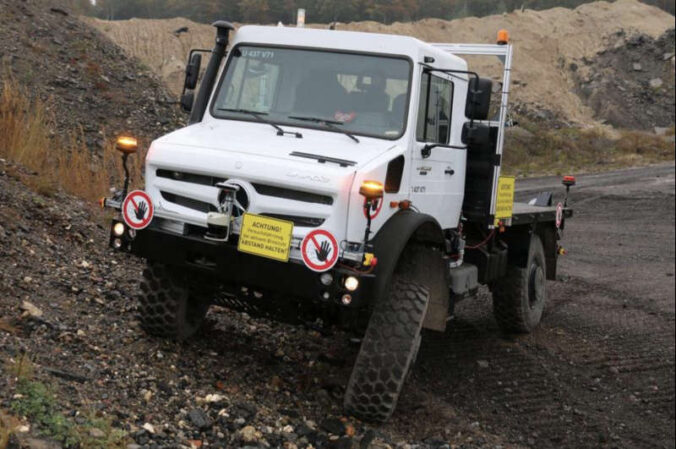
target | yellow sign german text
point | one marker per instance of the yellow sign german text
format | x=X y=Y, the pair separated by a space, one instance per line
x=505 y=198
x=265 y=237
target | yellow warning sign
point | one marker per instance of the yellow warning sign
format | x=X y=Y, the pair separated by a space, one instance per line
x=505 y=201
x=265 y=237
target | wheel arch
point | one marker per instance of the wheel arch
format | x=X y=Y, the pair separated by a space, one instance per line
x=402 y=229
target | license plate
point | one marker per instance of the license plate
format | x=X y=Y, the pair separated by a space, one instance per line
x=265 y=237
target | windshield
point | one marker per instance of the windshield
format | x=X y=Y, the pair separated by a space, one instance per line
x=340 y=92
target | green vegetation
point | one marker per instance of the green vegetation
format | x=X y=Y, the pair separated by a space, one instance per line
x=318 y=11
x=533 y=150
x=38 y=403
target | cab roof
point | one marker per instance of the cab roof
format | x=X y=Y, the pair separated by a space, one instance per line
x=353 y=41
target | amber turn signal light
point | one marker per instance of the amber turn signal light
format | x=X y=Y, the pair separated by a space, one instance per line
x=371 y=190
x=126 y=144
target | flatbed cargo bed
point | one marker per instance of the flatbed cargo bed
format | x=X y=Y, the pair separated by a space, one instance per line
x=524 y=213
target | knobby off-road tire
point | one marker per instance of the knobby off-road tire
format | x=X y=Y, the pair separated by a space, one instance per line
x=387 y=351
x=519 y=298
x=168 y=307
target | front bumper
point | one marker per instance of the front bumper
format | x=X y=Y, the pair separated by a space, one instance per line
x=237 y=270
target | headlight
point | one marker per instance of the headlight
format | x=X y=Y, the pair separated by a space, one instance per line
x=118 y=229
x=351 y=283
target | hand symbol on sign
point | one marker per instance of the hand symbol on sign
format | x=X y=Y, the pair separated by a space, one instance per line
x=324 y=252
x=141 y=210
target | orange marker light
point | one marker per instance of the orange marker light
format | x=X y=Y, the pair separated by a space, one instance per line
x=404 y=205
x=569 y=181
x=126 y=144
x=503 y=37
x=371 y=189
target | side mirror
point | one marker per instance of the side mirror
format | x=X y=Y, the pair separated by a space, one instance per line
x=479 y=98
x=476 y=135
x=187 y=100
x=192 y=72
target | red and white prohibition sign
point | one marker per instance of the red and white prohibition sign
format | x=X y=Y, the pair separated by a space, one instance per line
x=374 y=210
x=137 y=210
x=319 y=250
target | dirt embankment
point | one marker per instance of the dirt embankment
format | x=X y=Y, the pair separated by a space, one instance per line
x=90 y=83
x=630 y=84
x=547 y=44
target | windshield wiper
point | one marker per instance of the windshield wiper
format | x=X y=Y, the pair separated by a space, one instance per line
x=331 y=124
x=259 y=116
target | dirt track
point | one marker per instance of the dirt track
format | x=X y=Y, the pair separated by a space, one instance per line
x=599 y=372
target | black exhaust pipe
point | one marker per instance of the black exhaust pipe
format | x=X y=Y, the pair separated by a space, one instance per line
x=222 y=37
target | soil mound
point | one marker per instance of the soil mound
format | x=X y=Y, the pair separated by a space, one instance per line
x=631 y=85
x=90 y=83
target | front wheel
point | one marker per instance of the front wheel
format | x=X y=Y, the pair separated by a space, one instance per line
x=387 y=352
x=168 y=307
x=519 y=297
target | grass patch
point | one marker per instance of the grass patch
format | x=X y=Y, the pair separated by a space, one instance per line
x=37 y=402
x=61 y=162
x=531 y=150
x=7 y=426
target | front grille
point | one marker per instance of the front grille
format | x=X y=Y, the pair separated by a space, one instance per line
x=263 y=189
x=307 y=222
x=204 y=180
x=190 y=203
x=291 y=194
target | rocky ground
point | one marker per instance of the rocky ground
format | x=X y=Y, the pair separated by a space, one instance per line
x=630 y=84
x=598 y=373
x=90 y=83
x=66 y=302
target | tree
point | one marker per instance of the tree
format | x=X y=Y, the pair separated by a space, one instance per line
x=254 y=11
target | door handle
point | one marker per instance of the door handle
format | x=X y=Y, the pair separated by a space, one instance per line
x=449 y=171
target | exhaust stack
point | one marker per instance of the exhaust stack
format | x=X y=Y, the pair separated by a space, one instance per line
x=223 y=29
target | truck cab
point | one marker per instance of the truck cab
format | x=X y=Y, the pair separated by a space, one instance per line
x=350 y=176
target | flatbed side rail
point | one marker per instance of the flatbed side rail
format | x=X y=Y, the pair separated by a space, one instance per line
x=504 y=54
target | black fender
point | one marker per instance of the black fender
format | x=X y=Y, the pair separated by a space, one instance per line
x=518 y=240
x=390 y=241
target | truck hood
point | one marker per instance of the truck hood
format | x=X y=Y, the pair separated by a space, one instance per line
x=183 y=167
x=258 y=139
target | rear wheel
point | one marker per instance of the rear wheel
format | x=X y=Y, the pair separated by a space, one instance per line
x=169 y=306
x=519 y=298
x=387 y=352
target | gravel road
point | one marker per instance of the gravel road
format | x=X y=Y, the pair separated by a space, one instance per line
x=598 y=373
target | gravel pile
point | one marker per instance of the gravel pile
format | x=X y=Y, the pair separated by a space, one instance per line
x=89 y=82
x=631 y=84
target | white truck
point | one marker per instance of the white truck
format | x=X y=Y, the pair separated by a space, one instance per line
x=348 y=177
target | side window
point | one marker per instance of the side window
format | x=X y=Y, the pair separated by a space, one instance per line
x=434 y=109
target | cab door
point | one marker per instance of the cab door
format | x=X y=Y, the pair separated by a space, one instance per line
x=437 y=178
